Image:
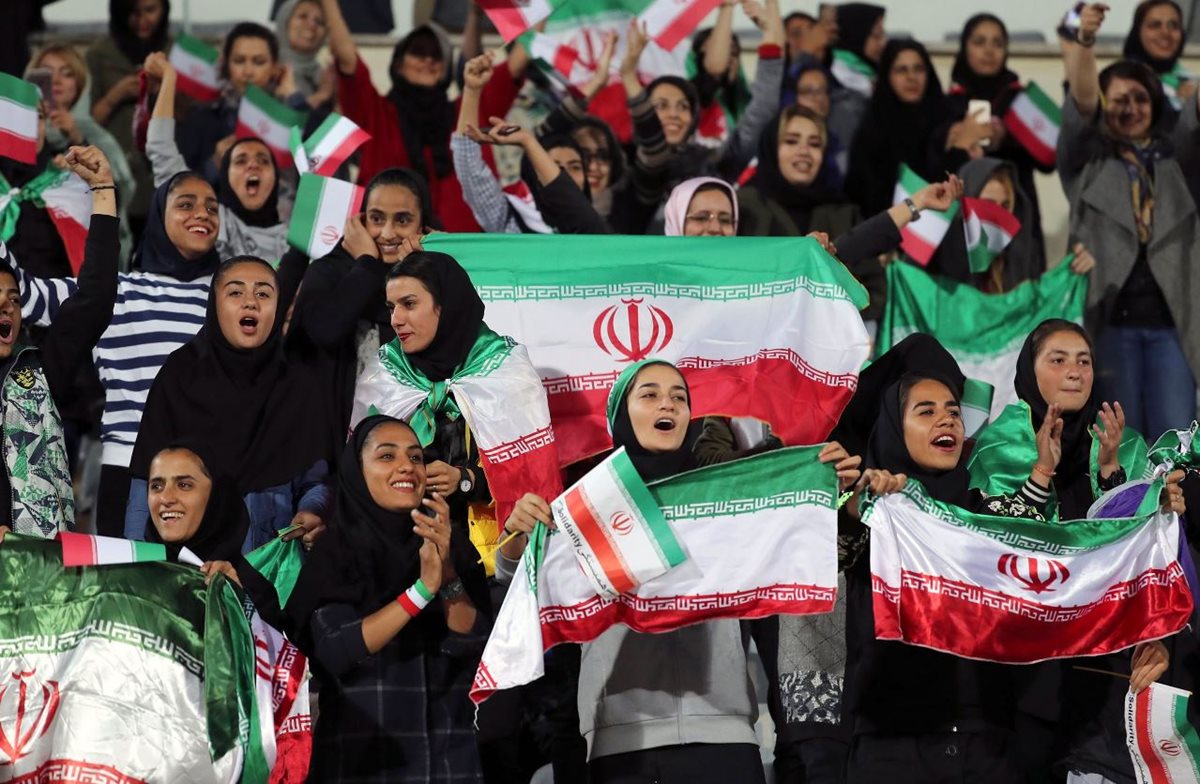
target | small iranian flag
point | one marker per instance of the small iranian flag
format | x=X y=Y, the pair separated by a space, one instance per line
x=617 y=531
x=1162 y=742
x=520 y=198
x=513 y=17
x=761 y=539
x=984 y=332
x=1083 y=588
x=624 y=298
x=976 y=405
x=328 y=147
x=671 y=21
x=88 y=550
x=989 y=229
x=323 y=205
x=262 y=116
x=18 y=119
x=69 y=203
x=1034 y=120
x=853 y=72
x=552 y=53
x=1172 y=81
x=747 y=173
x=195 y=64
x=921 y=238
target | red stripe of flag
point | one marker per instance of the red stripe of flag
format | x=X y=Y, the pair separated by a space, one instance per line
x=78 y=549
x=1149 y=752
x=19 y=148
x=683 y=25
x=565 y=58
x=1029 y=140
x=507 y=18
x=597 y=539
x=529 y=471
x=193 y=88
x=329 y=166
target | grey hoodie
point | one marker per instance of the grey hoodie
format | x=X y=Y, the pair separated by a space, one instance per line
x=643 y=691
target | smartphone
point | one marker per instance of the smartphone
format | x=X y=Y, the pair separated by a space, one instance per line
x=44 y=79
x=1068 y=29
x=981 y=111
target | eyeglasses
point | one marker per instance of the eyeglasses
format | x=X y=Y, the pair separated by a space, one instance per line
x=723 y=219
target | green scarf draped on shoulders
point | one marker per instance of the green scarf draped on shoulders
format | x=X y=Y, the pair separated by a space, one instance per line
x=1006 y=450
x=488 y=352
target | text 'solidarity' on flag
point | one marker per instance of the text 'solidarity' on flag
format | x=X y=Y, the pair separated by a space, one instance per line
x=260 y=115
x=1162 y=742
x=617 y=531
x=776 y=336
x=195 y=64
x=984 y=332
x=134 y=672
x=921 y=237
x=18 y=119
x=329 y=146
x=323 y=205
x=1021 y=591
x=760 y=535
x=989 y=229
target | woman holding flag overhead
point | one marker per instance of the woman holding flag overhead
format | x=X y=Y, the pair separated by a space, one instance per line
x=158 y=308
x=392 y=610
x=248 y=182
x=258 y=404
x=1130 y=204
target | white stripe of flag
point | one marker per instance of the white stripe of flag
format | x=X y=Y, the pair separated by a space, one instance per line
x=513 y=17
x=921 y=238
x=670 y=21
x=323 y=205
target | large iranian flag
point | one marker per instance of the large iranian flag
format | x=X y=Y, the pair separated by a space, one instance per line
x=760 y=535
x=921 y=237
x=18 y=119
x=122 y=673
x=1162 y=741
x=984 y=332
x=765 y=327
x=261 y=116
x=1026 y=590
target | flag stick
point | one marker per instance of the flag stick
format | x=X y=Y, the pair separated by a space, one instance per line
x=1102 y=672
x=503 y=542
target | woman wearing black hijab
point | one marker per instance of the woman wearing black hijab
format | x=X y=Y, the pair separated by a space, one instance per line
x=918 y=715
x=861 y=40
x=395 y=673
x=158 y=308
x=1156 y=38
x=981 y=73
x=192 y=504
x=906 y=107
x=258 y=405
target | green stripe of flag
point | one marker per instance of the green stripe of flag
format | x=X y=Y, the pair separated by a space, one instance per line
x=149 y=551
x=277 y=111
x=514 y=266
x=635 y=489
x=19 y=91
x=197 y=48
x=766 y=481
x=1187 y=733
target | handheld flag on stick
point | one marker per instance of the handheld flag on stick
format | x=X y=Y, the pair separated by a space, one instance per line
x=262 y=116
x=18 y=119
x=989 y=229
x=195 y=64
x=921 y=237
x=319 y=218
x=328 y=147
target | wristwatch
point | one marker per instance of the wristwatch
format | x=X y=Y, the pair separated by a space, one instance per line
x=912 y=207
x=466 y=484
x=453 y=590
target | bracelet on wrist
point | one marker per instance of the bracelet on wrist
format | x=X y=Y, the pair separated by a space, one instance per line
x=1037 y=469
x=415 y=599
x=1088 y=44
x=109 y=187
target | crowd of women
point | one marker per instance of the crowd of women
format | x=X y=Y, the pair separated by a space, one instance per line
x=225 y=365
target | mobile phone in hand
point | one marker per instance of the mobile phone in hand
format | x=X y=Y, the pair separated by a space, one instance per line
x=44 y=80
x=1068 y=29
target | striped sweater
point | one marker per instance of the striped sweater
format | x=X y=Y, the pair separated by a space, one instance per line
x=153 y=316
